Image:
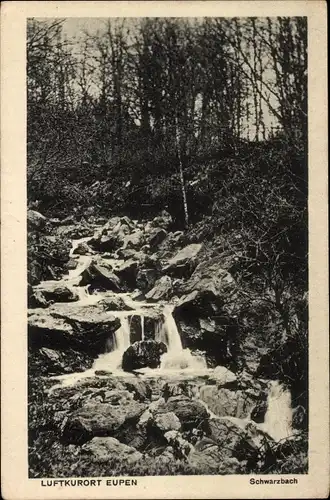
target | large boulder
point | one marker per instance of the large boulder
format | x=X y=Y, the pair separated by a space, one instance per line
x=111 y=237
x=73 y=329
x=127 y=273
x=98 y=419
x=113 y=302
x=162 y=289
x=143 y=354
x=44 y=330
x=222 y=376
x=165 y=422
x=191 y=413
x=205 y=326
x=105 y=242
x=45 y=361
x=184 y=261
x=130 y=254
x=56 y=292
x=226 y=402
x=100 y=276
x=108 y=449
x=209 y=276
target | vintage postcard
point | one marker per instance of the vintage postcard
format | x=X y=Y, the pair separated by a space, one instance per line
x=164 y=250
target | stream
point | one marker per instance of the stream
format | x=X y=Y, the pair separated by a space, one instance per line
x=176 y=363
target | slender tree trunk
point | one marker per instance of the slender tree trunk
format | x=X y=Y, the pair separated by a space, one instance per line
x=255 y=72
x=183 y=189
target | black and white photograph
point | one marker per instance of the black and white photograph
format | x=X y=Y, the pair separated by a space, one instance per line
x=164 y=250
x=167 y=246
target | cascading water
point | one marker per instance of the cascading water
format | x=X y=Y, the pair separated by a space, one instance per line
x=278 y=418
x=142 y=327
x=112 y=360
x=72 y=278
x=176 y=358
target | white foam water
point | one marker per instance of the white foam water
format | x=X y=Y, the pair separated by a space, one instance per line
x=176 y=358
x=278 y=418
x=111 y=361
x=142 y=327
x=176 y=361
x=72 y=278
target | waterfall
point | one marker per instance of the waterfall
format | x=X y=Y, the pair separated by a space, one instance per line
x=278 y=418
x=142 y=327
x=174 y=339
x=82 y=292
x=111 y=361
x=176 y=357
x=122 y=335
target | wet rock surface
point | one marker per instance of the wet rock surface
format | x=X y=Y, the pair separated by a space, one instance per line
x=100 y=276
x=143 y=354
x=75 y=330
x=56 y=293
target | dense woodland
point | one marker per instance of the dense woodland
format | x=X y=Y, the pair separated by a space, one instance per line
x=203 y=118
x=114 y=115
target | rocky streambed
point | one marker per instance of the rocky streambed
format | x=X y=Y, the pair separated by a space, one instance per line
x=135 y=364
